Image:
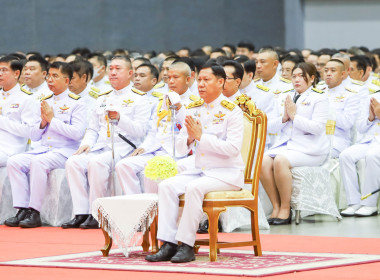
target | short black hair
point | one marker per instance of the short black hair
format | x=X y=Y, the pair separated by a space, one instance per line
x=186 y=60
x=246 y=44
x=216 y=69
x=238 y=69
x=143 y=59
x=100 y=58
x=361 y=63
x=232 y=47
x=82 y=67
x=250 y=66
x=14 y=62
x=241 y=58
x=64 y=67
x=293 y=58
x=219 y=50
x=125 y=58
x=43 y=63
x=152 y=68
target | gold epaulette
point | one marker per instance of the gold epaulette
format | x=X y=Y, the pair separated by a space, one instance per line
x=376 y=82
x=276 y=91
x=93 y=94
x=375 y=75
x=26 y=91
x=47 y=97
x=321 y=83
x=160 y=85
x=229 y=105
x=159 y=95
x=194 y=97
x=356 y=82
x=195 y=104
x=372 y=91
x=74 y=96
x=95 y=89
x=135 y=90
x=104 y=93
x=256 y=80
x=264 y=88
x=351 y=90
x=317 y=90
x=285 y=80
x=107 y=82
x=288 y=90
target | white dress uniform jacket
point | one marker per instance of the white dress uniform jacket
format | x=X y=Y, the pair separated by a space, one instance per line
x=39 y=92
x=19 y=112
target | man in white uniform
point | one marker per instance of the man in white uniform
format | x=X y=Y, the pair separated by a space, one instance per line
x=100 y=78
x=368 y=148
x=18 y=110
x=159 y=139
x=215 y=125
x=92 y=162
x=60 y=130
x=234 y=75
x=343 y=102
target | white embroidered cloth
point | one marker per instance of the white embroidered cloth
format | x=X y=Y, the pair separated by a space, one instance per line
x=126 y=218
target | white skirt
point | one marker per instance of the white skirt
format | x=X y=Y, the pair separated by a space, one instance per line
x=296 y=158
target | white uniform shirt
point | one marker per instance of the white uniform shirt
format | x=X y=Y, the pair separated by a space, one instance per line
x=218 y=153
x=39 y=92
x=67 y=127
x=307 y=132
x=134 y=117
x=161 y=87
x=248 y=88
x=345 y=105
x=371 y=130
x=19 y=112
x=103 y=85
x=194 y=88
x=89 y=98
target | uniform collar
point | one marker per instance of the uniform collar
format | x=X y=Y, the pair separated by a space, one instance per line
x=62 y=95
x=123 y=90
x=248 y=88
x=269 y=82
x=233 y=97
x=13 y=90
x=36 y=89
x=336 y=89
x=85 y=92
x=186 y=95
x=214 y=103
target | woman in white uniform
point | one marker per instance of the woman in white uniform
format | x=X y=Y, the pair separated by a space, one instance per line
x=302 y=142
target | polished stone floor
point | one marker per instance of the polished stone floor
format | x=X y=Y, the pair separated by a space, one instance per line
x=323 y=225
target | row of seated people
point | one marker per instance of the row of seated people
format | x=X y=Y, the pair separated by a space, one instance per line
x=59 y=122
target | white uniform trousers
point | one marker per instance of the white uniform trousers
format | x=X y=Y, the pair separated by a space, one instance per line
x=347 y=161
x=3 y=159
x=31 y=194
x=195 y=187
x=93 y=170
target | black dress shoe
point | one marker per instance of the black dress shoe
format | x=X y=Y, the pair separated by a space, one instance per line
x=166 y=252
x=90 y=223
x=203 y=228
x=278 y=221
x=32 y=220
x=271 y=220
x=185 y=253
x=76 y=222
x=14 y=221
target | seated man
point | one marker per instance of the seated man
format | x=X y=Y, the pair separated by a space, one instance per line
x=61 y=128
x=215 y=126
x=91 y=164
x=159 y=138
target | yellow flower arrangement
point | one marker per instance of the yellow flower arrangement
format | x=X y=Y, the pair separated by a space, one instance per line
x=160 y=168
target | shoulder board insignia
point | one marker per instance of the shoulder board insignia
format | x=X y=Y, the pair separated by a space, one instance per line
x=256 y=80
x=22 y=85
x=104 y=93
x=25 y=91
x=194 y=97
x=229 y=105
x=356 y=82
x=135 y=90
x=371 y=90
x=285 y=80
x=376 y=82
x=95 y=89
x=318 y=90
x=159 y=95
x=375 y=75
x=195 y=104
x=264 y=88
x=93 y=94
x=289 y=90
x=351 y=90
x=276 y=91
x=74 y=96
x=47 y=97
x=107 y=82
x=160 y=85
x=321 y=83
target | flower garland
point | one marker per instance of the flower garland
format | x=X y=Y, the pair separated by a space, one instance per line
x=160 y=168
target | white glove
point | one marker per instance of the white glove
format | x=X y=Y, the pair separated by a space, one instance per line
x=173 y=97
x=112 y=105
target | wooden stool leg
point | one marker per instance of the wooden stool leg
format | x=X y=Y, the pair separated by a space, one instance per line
x=213 y=217
x=145 y=243
x=153 y=235
x=107 y=245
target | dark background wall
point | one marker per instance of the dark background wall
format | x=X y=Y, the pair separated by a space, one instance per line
x=52 y=26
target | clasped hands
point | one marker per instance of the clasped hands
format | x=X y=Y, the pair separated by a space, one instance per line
x=374 y=109
x=47 y=114
x=194 y=129
x=290 y=110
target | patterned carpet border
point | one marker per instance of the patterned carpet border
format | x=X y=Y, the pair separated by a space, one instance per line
x=230 y=262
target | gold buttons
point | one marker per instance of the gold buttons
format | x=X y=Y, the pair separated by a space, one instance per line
x=208 y=113
x=206 y=126
x=212 y=105
x=202 y=154
x=49 y=137
x=203 y=168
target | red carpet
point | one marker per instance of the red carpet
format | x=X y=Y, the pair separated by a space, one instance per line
x=18 y=243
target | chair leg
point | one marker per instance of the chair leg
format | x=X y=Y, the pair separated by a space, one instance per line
x=213 y=217
x=145 y=244
x=298 y=216
x=153 y=235
x=108 y=244
x=255 y=234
